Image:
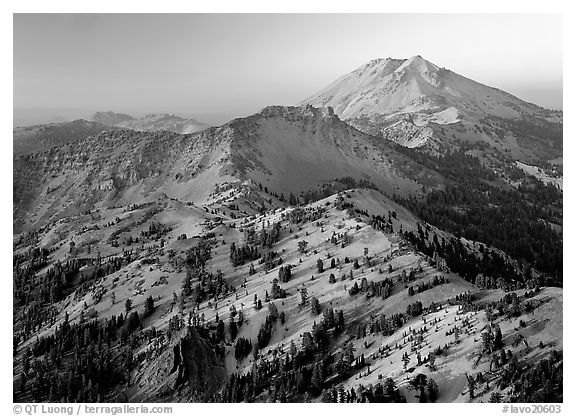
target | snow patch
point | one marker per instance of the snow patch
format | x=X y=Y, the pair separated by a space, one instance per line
x=540 y=174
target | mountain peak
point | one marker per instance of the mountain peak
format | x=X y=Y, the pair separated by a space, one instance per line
x=418 y=64
x=384 y=87
x=397 y=64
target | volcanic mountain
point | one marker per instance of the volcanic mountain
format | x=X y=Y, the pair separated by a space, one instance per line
x=414 y=102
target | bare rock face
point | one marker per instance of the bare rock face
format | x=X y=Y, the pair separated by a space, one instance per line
x=190 y=368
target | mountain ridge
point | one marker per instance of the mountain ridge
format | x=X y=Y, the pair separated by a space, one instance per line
x=288 y=149
x=151 y=122
x=41 y=137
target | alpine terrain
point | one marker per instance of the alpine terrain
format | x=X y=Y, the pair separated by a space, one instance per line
x=396 y=237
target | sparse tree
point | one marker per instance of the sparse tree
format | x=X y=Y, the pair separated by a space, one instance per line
x=273 y=311
x=471 y=385
x=320 y=266
x=498 y=338
x=315 y=306
x=233 y=329
x=149 y=306
x=303 y=296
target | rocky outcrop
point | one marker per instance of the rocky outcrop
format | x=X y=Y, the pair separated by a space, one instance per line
x=190 y=369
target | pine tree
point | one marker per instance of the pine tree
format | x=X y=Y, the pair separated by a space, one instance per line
x=149 y=306
x=340 y=320
x=349 y=352
x=432 y=361
x=329 y=318
x=471 y=385
x=342 y=367
x=220 y=335
x=432 y=388
x=354 y=289
x=315 y=306
x=256 y=351
x=307 y=343
x=133 y=321
x=317 y=379
x=498 y=338
x=303 y=296
x=232 y=329
x=273 y=312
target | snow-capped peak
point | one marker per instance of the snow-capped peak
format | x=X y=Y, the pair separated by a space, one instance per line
x=390 y=86
x=417 y=64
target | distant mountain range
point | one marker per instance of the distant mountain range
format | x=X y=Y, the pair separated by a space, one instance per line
x=150 y=122
x=41 y=137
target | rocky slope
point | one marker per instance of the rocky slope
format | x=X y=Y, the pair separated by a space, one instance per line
x=42 y=137
x=286 y=149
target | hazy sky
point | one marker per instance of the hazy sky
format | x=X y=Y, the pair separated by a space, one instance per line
x=237 y=64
